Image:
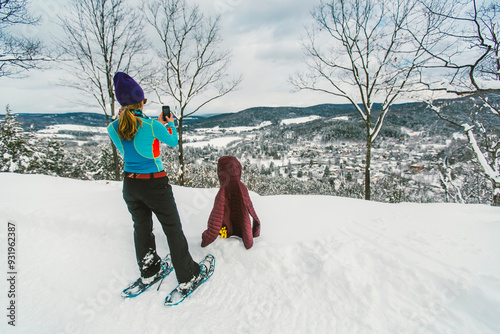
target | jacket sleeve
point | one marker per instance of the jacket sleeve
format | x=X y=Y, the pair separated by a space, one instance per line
x=251 y=211
x=249 y=232
x=256 y=221
x=215 y=220
x=115 y=138
x=166 y=134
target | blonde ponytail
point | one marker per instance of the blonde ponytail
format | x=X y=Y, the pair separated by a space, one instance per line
x=128 y=124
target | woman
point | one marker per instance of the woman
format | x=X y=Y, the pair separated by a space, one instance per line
x=145 y=186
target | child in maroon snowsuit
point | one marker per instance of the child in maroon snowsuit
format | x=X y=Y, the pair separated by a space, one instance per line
x=232 y=206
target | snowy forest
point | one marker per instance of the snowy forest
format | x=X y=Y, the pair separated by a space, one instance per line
x=371 y=54
x=418 y=158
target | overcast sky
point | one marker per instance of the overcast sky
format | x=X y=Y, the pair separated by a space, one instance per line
x=262 y=35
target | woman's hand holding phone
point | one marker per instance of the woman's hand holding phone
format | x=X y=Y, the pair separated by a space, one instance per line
x=166 y=116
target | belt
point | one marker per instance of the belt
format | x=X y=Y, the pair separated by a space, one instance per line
x=146 y=176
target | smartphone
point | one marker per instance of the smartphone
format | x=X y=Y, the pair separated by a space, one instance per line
x=165 y=112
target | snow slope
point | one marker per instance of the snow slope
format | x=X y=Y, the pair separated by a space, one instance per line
x=299 y=120
x=322 y=265
x=215 y=142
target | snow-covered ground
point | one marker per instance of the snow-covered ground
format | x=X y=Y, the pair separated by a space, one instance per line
x=321 y=265
x=233 y=129
x=215 y=142
x=299 y=120
x=54 y=129
x=66 y=133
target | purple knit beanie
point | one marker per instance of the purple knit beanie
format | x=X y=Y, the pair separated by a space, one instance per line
x=127 y=91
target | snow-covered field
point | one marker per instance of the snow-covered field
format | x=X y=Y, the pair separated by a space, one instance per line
x=214 y=142
x=233 y=129
x=322 y=265
x=66 y=133
x=299 y=120
x=54 y=129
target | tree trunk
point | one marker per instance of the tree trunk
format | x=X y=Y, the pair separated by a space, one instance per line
x=116 y=163
x=113 y=147
x=368 y=157
x=181 y=153
x=367 y=168
x=496 y=194
x=111 y=95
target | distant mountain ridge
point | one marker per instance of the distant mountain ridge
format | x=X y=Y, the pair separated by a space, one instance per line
x=416 y=116
x=251 y=116
x=41 y=121
x=256 y=115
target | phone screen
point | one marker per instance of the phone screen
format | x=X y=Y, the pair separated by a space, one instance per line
x=165 y=110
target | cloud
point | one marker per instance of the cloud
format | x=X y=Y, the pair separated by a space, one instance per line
x=262 y=35
x=280 y=15
x=264 y=38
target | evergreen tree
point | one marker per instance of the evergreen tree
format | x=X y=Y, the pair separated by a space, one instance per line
x=50 y=158
x=22 y=152
x=105 y=165
x=17 y=148
x=326 y=174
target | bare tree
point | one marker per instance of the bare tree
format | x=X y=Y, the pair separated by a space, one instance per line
x=17 y=53
x=194 y=68
x=101 y=38
x=469 y=58
x=360 y=50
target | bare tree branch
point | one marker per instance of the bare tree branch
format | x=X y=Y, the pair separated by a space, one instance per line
x=361 y=50
x=476 y=74
x=101 y=38
x=17 y=53
x=194 y=67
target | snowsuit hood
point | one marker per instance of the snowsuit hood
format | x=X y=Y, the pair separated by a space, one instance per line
x=228 y=170
x=232 y=206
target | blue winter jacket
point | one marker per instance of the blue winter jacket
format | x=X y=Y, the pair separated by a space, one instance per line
x=142 y=153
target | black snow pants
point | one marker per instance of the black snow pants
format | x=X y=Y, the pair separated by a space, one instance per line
x=144 y=197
